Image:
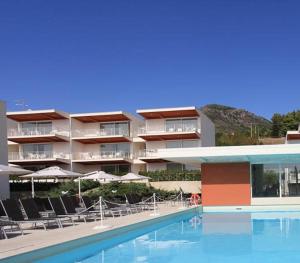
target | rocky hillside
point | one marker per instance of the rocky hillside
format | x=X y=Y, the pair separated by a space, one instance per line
x=232 y=120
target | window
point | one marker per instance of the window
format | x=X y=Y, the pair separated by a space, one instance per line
x=44 y=150
x=114 y=128
x=189 y=144
x=116 y=168
x=180 y=125
x=31 y=128
x=173 y=144
x=182 y=144
x=275 y=180
x=115 y=149
x=265 y=180
x=290 y=180
x=178 y=167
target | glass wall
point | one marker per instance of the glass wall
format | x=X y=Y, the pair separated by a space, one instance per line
x=180 y=125
x=116 y=168
x=115 y=149
x=114 y=128
x=182 y=144
x=37 y=149
x=276 y=180
x=290 y=180
x=32 y=128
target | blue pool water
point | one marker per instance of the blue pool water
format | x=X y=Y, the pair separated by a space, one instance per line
x=210 y=237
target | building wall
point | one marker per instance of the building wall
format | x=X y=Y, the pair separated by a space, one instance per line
x=226 y=184
x=4 y=179
x=207 y=132
x=185 y=186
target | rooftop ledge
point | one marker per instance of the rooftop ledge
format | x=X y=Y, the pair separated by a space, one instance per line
x=256 y=154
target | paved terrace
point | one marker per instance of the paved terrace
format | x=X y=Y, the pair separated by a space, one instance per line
x=39 y=238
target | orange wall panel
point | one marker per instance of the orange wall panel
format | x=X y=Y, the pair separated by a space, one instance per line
x=226 y=184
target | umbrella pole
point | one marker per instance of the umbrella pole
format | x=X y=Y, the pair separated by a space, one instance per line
x=32 y=187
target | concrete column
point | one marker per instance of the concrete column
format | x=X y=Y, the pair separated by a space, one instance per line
x=4 y=179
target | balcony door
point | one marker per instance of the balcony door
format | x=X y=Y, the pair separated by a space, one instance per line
x=114 y=150
x=36 y=128
x=181 y=125
x=42 y=150
x=114 y=128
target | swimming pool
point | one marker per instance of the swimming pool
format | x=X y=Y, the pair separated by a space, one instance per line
x=208 y=237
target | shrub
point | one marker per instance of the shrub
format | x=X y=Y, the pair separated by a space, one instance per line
x=166 y=175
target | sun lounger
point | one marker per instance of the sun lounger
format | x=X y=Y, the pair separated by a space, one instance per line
x=14 y=213
x=7 y=226
x=106 y=211
x=31 y=211
x=59 y=209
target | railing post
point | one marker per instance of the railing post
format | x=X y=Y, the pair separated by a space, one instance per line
x=155 y=213
x=101 y=226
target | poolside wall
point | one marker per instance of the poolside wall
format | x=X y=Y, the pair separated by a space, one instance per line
x=225 y=184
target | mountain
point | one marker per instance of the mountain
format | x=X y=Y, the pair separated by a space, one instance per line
x=229 y=120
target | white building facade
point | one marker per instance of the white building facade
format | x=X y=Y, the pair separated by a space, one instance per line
x=116 y=142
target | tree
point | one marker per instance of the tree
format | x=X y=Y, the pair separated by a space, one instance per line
x=277 y=122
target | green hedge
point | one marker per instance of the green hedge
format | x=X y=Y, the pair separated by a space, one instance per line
x=111 y=191
x=166 y=175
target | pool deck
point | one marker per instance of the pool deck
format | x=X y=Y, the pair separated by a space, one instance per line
x=38 y=238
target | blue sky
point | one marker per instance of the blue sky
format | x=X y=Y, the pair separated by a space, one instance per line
x=83 y=56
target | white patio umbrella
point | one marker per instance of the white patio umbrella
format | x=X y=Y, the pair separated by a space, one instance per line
x=10 y=170
x=134 y=177
x=101 y=176
x=53 y=172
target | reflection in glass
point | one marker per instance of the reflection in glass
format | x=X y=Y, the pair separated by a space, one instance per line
x=265 y=180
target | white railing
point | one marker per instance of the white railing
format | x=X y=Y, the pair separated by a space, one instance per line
x=100 y=132
x=169 y=129
x=148 y=153
x=36 y=155
x=101 y=155
x=37 y=131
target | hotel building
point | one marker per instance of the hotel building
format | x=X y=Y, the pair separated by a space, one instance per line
x=116 y=142
x=173 y=128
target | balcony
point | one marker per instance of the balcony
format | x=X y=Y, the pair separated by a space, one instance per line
x=150 y=156
x=89 y=136
x=171 y=132
x=111 y=157
x=38 y=157
x=37 y=135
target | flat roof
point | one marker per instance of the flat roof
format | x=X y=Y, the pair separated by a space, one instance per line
x=256 y=154
x=102 y=116
x=36 y=115
x=162 y=113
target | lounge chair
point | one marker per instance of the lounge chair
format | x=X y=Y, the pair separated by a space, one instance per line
x=32 y=212
x=118 y=208
x=14 y=213
x=87 y=202
x=4 y=224
x=60 y=211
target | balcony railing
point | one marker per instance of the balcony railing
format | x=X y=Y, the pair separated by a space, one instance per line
x=37 y=155
x=36 y=132
x=169 y=129
x=148 y=153
x=100 y=132
x=101 y=155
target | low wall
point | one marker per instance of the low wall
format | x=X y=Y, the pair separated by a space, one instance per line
x=186 y=186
